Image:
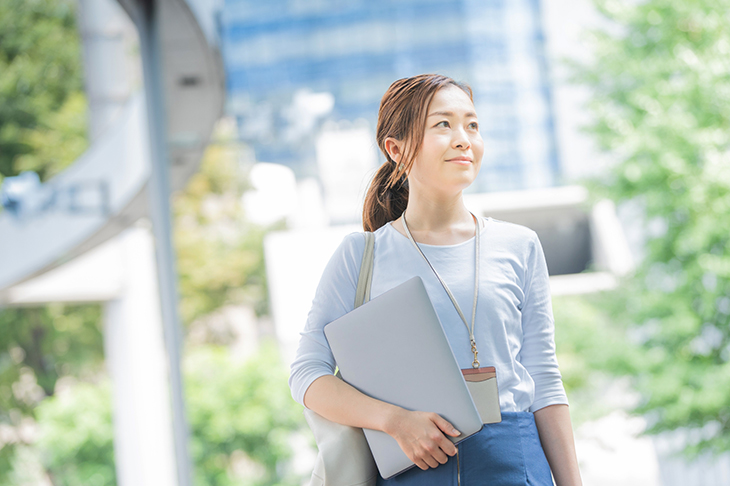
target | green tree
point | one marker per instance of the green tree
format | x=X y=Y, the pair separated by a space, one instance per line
x=661 y=100
x=37 y=347
x=240 y=412
x=220 y=253
x=43 y=129
x=76 y=437
x=41 y=89
x=242 y=417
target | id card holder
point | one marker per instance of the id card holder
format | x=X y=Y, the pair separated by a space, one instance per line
x=482 y=385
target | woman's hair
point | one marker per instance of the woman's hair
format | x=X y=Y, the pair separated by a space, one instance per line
x=402 y=116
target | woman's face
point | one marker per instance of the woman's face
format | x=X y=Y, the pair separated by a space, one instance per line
x=451 y=154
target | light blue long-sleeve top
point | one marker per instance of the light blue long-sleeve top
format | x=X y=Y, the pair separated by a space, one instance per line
x=514 y=327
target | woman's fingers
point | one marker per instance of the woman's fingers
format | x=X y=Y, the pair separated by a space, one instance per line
x=422 y=438
x=445 y=426
x=447 y=446
x=431 y=454
x=431 y=461
x=440 y=457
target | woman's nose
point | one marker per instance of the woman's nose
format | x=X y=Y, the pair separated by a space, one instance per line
x=460 y=139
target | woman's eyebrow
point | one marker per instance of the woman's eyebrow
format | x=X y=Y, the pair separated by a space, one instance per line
x=471 y=114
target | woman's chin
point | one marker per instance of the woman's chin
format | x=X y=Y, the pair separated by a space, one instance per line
x=449 y=187
x=460 y=181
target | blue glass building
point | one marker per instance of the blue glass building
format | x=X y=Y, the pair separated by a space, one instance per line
x=355 y=49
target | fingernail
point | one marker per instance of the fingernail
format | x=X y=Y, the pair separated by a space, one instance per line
x=454 y=431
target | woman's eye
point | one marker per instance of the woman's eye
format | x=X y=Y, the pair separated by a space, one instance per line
x=444 y=124
x=474 y=126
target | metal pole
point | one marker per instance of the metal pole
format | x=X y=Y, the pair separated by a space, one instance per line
x=159 y=207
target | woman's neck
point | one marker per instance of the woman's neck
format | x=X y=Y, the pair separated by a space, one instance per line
x=437 y=221
x=434 y=214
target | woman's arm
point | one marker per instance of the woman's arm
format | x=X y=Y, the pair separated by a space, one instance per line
x=556 y=436
x=419 y=434
x=538 y=356
x=313 y=385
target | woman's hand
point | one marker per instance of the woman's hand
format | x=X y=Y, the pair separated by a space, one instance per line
x=421 y=436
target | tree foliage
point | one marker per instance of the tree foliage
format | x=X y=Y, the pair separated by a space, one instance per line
x=220 y=253
x=37 y=347
x=76 y=437
x=241 y=417
x=42 y=106
x=592 y=351
x=49 y=342
x=661 y=100
x=43 y=129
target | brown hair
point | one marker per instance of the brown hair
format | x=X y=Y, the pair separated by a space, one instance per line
x=402 y=116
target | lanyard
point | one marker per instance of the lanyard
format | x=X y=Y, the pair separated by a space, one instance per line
x=475 y=363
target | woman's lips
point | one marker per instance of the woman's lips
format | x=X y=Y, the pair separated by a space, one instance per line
x=460 y=160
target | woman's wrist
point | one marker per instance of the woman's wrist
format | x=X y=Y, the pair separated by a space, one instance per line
x=392 y=416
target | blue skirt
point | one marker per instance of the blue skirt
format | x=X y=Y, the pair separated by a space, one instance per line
x=508 y=453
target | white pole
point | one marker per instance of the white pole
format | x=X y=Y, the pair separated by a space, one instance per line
x=135 y=357
x=159 y=210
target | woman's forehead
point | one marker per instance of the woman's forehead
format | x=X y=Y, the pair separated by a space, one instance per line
x=451 y=99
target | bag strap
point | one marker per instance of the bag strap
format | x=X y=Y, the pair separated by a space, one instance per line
x=365 y=279
x=362 y=294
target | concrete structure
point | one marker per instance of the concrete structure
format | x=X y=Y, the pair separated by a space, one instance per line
x=143 y=147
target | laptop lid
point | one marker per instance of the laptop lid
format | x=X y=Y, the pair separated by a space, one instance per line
x=394 y=348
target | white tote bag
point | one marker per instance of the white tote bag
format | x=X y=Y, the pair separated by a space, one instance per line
x=344 y=457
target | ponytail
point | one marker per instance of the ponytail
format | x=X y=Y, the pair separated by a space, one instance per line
x=385 y=200
x=402 y=116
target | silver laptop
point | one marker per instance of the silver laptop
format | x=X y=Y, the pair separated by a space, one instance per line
x=394 y=348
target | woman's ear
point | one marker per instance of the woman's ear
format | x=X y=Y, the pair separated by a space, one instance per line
x=394 y=148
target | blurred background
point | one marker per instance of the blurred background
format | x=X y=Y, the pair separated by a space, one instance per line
x=174 y=175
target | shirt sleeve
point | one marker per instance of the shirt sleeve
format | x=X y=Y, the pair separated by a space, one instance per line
x=538 y=332
x=335 y=297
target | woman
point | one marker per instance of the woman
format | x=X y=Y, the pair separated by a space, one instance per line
x=428 y=131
